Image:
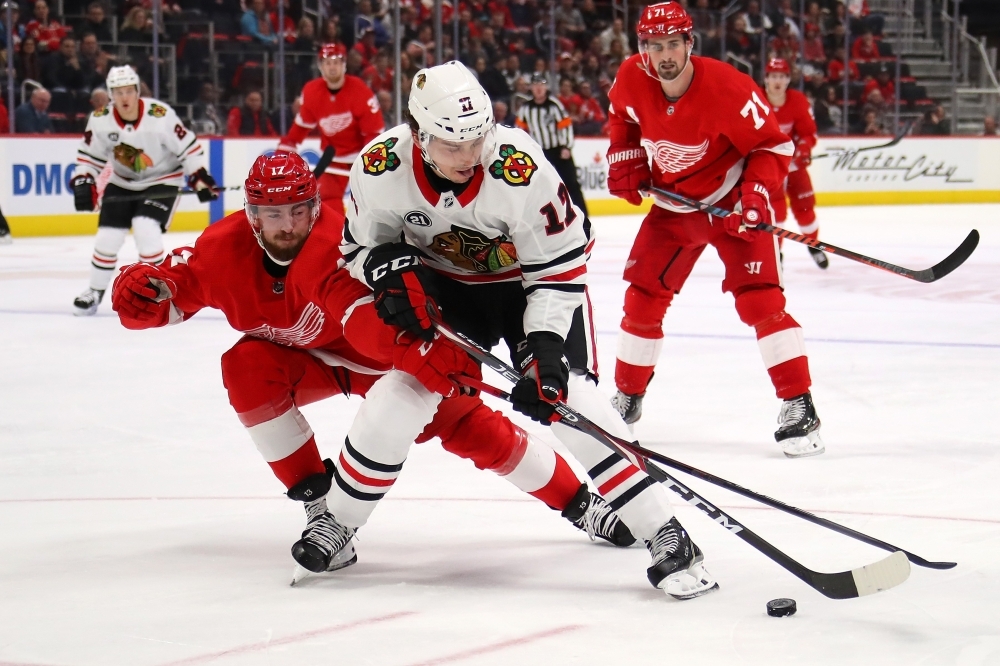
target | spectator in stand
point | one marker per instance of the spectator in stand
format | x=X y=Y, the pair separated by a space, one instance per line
x=289 y=28
x=522 y=93
x=501 y=111
x=256 y=24
x=571 y=19
x=568 y=98
x=593 y=19
x=785 y=45
x=99 y=99
x=934 y=123
x=590 y=118
x=19 y=31
x=488 y=43
x=829 y=111
x=96 y=22
x=355 y=63
x=27 y=63
x=813 y=49
x=206 y=113
x=48 y=31
x=32 y=117
x=865 y=47
x=862 y=19
x=881 y=83
x=870 y=125
x=378 y=75
x=742 y=42
x=878 y=104
x=524 y=15
x=305 y=38
x=365 y=19
x=512 y=70
x=250 y=119
x=704 y=20
x=4 y=128
x=331 y=31
x=93 y=61
x=835 y=70
x=756 y=21
x=63 y=73
x=137 y=28
x=834 y=38
x=365 y=46
x=813 y=15
x=989 y=126
x=615 y=31
x=490 y=78
x=385 y=105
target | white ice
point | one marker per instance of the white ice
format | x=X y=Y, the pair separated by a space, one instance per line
x=139 y=526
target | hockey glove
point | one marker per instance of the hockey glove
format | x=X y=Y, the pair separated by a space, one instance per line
x=545 y=377
x=403 y=287
x=628 y=172
x=84 y=192
x=754 y=208
x=202 y=182
x=433 y=362
x=141 y=295
x=802 y=157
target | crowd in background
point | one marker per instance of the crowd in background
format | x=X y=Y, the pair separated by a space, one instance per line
x=503 y=41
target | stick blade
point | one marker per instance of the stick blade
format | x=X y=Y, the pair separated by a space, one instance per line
x=953 y=260
x=882 y=575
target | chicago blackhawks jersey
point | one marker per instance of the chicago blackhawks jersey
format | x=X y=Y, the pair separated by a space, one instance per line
x=796 y=120
x=156 y=149
x=514 y=221
x=312 y=306
x=720 y=132
x=347 y=119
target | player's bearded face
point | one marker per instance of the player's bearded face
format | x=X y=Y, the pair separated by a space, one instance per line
x=456 y=161
x=668 y=56
x=284 y=229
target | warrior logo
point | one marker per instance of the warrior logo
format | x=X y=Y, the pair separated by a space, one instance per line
x=134 y=159
x=674 y=157
x=335 y=123
x=474 y=251
x=515 y=166
x=379 y=158
x=304 y=331
x=157 y=111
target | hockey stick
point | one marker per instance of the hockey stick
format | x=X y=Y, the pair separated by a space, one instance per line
x=324 y=161
x=869 y=579
x=896 y=139
x=932 y=274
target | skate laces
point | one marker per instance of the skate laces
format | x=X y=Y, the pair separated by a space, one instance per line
x=598 y=518
x=621 y=402
x=315 y=509
x=792 y=411
x=665 y=544
x=327 y=533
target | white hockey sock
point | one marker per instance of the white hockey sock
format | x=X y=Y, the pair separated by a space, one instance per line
x=108 y=242
x=148 y=239
x=530 y=466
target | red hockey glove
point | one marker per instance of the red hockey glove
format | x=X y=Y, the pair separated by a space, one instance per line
x=433 y=362
x=628 y=172
x=755 y=207
x=202 y=182
x=84 y=192
x=141 y=295
x=545 y=377
x=802 y=157
x=403 y=286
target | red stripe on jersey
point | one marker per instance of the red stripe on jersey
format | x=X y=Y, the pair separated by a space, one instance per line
x=170 y=175
x=617 y=480
x=194 y=148
x=567 y=276
x=593 y=331
x=99 y=167
x=361 y=478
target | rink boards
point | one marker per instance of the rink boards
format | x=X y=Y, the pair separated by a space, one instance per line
x=36 y=198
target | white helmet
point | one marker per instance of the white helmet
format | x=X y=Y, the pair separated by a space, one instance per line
x=448 y=102
x=120 y=77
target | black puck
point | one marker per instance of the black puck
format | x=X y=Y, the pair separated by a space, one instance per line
x=781 y=607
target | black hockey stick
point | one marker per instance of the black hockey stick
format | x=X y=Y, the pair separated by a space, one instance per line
x=324 y=161
x=896 y=139
x=876 y=577
x=932 y=274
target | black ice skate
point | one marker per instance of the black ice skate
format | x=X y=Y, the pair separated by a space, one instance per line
x=590 y=513
x=819 y=256
x=86 y=303
x=325 y=544
x=677 y=567
x=629 y=406
x=798 y=433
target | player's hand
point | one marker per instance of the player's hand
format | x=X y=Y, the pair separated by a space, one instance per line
x=628 y=172
x=202 y=182
x=545 y=377
x=141 y=293
x=433 y=362
x=754 y=208
x=84 y=192
x=403 y=287
x=802 y=157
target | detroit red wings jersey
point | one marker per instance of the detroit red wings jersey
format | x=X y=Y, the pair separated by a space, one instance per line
x=513 y=222
x=719 y=132
x=347 y=119
x=311 y=308
x=796 y=120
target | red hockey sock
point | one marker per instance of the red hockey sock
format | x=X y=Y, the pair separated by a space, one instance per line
x=305 y=461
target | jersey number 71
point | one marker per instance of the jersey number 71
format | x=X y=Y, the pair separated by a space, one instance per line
x=751 y=109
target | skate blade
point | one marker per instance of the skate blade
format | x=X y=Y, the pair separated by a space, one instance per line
x=803 y=447
x=301 y=573
x=84 y=312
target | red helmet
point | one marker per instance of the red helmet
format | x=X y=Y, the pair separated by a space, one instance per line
x=332 y=51
x=777 y=65
x=279 y=180
x=665 y=18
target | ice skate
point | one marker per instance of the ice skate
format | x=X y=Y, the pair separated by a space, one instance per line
x=819 y=256
x=677 y=566
x=798 y=433
x=629 y=406
x=86 y=303
x=590 y=513
x=325 y=544
x=5 y=238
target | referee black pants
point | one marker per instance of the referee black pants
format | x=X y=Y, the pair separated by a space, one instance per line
x=567 y=171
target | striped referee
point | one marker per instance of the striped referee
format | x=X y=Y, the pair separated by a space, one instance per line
x=546 y=120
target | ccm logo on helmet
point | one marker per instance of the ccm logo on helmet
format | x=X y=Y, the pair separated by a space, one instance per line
x=471 y=129
x=278 y=189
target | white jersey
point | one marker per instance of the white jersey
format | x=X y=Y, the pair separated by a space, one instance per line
x=514 y=221
x=154 y=150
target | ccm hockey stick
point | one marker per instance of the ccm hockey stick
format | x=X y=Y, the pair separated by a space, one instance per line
x=876 y=577
x=896 y=139
x=932 y=274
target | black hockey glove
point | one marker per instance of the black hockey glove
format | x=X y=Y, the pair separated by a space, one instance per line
x=545 y=377
x=403 y=286
x=202 y=182
x=84 y=192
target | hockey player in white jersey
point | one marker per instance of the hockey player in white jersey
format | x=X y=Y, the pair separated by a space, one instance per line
x=491 y=238
x=151 y=153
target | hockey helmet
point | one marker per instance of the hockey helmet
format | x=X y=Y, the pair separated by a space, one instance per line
x=664 y=18
x=449 y=103
x=777 y=65
x=281 y=180
x=121 y=77
x=332 y=50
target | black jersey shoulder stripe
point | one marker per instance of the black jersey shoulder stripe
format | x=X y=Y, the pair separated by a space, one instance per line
x=569 y=288
x=575 y=253
x=93 y=157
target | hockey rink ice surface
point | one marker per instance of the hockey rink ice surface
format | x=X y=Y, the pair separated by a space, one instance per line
x=140 y=527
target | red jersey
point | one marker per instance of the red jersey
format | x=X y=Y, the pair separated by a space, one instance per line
x=796 y=120
x=347 y=119
x=888 y=91
x=719 y=133
x=314 y=306
x=49 y=34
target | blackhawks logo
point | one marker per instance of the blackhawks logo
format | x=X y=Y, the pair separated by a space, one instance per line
x=379 y=158
x=102 y=112
x=474 y=251
x=134 y=159
x=157 y=111
x=515 y=166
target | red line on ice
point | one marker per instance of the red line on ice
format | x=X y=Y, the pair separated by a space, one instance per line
x=258 y=646
x=502 y=645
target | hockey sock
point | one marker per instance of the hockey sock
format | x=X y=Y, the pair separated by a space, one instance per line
x=779 y=338
x=640 y=339
x=108 y=242
x=148 y=239
x=304 y=462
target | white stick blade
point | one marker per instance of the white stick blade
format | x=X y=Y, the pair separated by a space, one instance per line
x=882 y=575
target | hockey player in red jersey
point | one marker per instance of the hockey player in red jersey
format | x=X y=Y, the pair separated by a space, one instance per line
x=347 y=114
x=311 y=332
x=698 y=127
x=795 y=118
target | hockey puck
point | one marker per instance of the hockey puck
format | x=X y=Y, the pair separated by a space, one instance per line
x=781 y=607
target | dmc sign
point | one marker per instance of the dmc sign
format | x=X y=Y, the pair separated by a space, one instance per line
x=44 y=179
